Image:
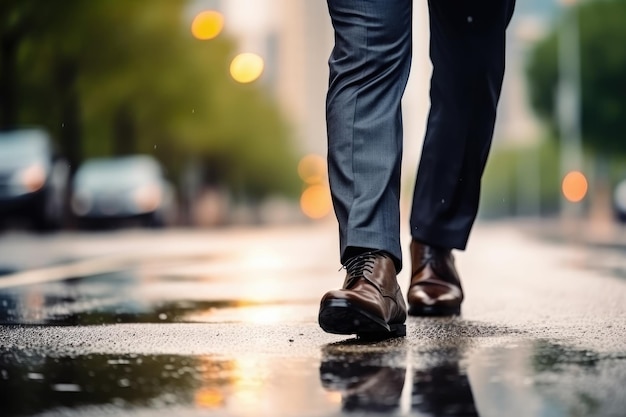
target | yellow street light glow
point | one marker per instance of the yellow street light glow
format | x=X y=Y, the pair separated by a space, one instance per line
x=315 y=201
x=575 y=186
x=207 y=25
x=312 y=169
x=246 y=67
x=210 y=398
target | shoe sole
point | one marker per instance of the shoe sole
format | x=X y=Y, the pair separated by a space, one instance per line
x=434 y=311
x=343 y=317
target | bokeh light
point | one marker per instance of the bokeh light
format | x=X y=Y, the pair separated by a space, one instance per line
x=312 y=169
x=246 y=67
x=315 y=201
x=209 y=398
x=575 y=186
x=207 y=25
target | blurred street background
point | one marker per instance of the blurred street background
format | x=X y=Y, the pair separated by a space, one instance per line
x=166 y=229
x=227 y=99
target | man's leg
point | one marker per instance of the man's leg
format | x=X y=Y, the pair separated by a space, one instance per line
x=467 y=52
x=369 y=67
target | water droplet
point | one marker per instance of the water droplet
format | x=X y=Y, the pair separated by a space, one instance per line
x=118 y=362
x=124 y=383
x=470 y=19
x=66 y=388
x=443 y=201
x=162 y=316
x=154 y=146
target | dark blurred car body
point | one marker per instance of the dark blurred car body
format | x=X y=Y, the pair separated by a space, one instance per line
x=33 y=181
x=129 y=187
x=619 y=201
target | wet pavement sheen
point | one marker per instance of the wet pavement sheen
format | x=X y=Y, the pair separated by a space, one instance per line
x=192 y=335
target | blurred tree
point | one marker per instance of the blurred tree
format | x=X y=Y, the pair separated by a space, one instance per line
x=111 y=77
x=603 y=65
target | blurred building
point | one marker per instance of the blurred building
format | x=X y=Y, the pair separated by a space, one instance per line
x=306 y=40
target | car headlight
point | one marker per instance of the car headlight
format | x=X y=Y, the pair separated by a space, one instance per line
x=81 y=203
x=148 y=198
x=31 y=178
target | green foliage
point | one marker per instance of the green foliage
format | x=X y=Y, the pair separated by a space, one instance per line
x=603 y=65
x=508 y=188
x=111 y=77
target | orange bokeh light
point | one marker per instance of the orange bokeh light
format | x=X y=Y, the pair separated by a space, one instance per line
x=575 y=186
x=207 y=25
x=315 y=201
x=312 y=169
x=209 y=398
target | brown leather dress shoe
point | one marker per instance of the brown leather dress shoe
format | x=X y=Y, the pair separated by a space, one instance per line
x=435 y=288
x=370 y=303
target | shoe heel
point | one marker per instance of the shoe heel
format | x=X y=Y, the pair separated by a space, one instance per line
x=398 y=330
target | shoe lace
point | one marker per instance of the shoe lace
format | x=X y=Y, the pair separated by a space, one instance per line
x=364 y=262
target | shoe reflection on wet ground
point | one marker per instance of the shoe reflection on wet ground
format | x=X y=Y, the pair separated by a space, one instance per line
x=387 y=380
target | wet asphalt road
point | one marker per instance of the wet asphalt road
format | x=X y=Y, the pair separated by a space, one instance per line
x=134 y=323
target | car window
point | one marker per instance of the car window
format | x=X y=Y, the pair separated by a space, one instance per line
x=21 y=149
x=117 y=172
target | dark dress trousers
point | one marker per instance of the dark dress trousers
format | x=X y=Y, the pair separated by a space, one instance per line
x=369 y=68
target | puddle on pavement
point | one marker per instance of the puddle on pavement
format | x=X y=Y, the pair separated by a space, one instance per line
x=122 y=298
x=458 y=374
x=351 y=378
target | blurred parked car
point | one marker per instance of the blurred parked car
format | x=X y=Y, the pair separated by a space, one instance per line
x=619 y=201
x=33 y=181
x=130 y=187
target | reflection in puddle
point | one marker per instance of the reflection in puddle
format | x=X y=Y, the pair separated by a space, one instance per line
x=523 y=379
x=443 y=388
x=384 y=381
x=549 y=379
x=32 y=384
x=385 y=378
x=247 y=386
x=110 y=300
x=120 y=298
x=363 y=380
x=32 y=308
